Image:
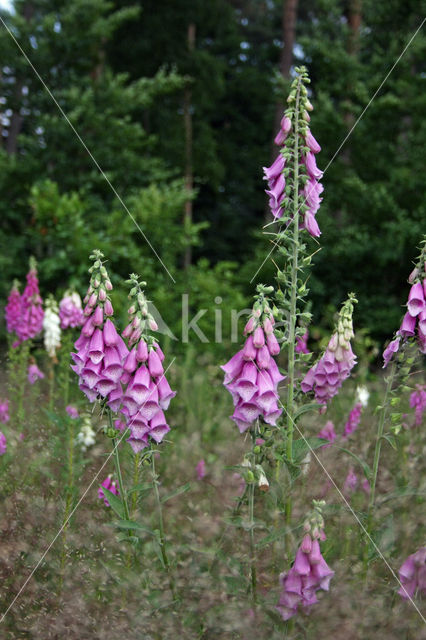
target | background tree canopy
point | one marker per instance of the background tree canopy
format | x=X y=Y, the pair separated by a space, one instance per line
x=178 y=101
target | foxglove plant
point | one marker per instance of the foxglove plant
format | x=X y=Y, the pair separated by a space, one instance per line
x=252 y=375
x=51 y=327
x=4 y=411
x=13 y=309
x=412 y=334
x=31 y=313
x=353 y=420
x=412 y=575
x=309 y=573
x=34 y=373
x=418 y=403
x=148 y=393
x=326 y=376
x=328 y=432
x=110 y=485
x=71 y=311
x=3 y=444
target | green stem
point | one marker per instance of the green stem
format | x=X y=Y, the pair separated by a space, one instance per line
x=162 y=541
x=252 y=545
x=51 y=384
x=293 y=300
x=377 y=450
x=118 y=470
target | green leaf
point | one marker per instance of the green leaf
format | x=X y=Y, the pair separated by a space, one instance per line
x=305 y=408
x=183 y=489
x=364 y=465
x=132 y=525
x=303 y=445
x=115 y=502
x=389 y=439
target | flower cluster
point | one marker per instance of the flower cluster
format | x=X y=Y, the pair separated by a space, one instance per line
x=148 y=392
x=4 y=411
x=294 y=130
x=72 y=411
x=302 y=343
x=309 y=573
x=412 y=575
x=252 y=375
x=3 y=443
x=100 y=353
x=86 y=436
x=110 y=485
x=70 y=310
x=418 y=403
x=34 y=373
x=328 y=432
x=31 y=317
x=414 y=321
x=353 y=420
x=327 y=375
x=13 y=309
x=351 y=482
x=52 y=330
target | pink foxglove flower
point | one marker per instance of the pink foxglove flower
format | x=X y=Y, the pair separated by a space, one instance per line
x=100 y=351
x=201 y=469
x=328 y=432
x=72 y=412
x=351 y=482
x=418 y=403
x=71 y=311
x=302 y=343
x=327 y=375
x=13 y=309
x=3 y=443
x=52 y=330
x=109 y=484
x=353 y=420
x=252 y=375
x=413 y=325
x=279 y=173
x=34 y=373
x=148 y=394
x=4 y=411
x=412 y=575
x=31 y=318
x=309 y=574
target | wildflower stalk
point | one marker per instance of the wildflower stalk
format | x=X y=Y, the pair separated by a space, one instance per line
x=162 y=538
x=252 y=545
x=377 y=449
x=294 y=287
x=118 y=469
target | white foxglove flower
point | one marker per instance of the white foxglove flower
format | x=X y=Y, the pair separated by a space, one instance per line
x=362 y=395
x=51 y=327
x=86 y=437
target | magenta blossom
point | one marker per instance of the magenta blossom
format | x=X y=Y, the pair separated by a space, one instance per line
x=4 y=411
x=109 y=484
x=310 y=199
x=309 y=574
x=147 y=394
x=351 y=482
x=418 y=403
x=32 y=314
x=328 y=433
x=412 y=575
x=302 y=343
x=34 y=373
x=353 y=420
x=3 y=443
x=13 y=309
x=413 y=325
x=326 y=376
x=252 y=375
x=72 y=412
x=100 y=351
x=70 y=310
x=201 y=469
